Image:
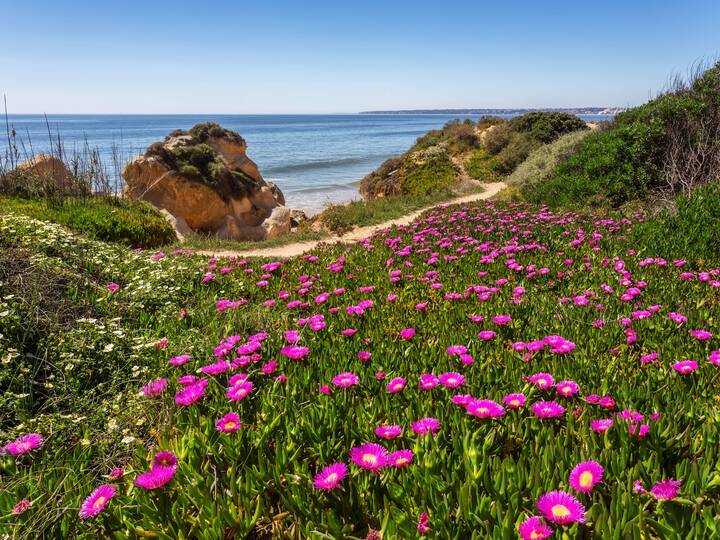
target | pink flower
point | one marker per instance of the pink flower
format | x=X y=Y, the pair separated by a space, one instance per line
x=345 y=380
x=702 y=335
x=21 y=506
x=191 y=393
x=586 y=475
x=685 y=367
x=164 y=459
x=547 y=409
x=388 y=432
x=423 y=524
x=534 y=528
x=451 y=379
x=239 y=391
x=666 y=489
x=330 y=477
x=295 y=352
x=407 y=333
x=154 y=388
x=501 y=320
x=486 y=335
x=23 y=445
x=428 y=381
x=228 y=423
x=113 y=287
x=485 y=408
x=400 y=459
x=455 y=350
x=560 y=507
x=426 y=425
x=179 y=360
x=567 y=388
x=97 y=501
x=155 y=478
x=162 y=343
x=396 y=385
x=514 y=401
x=602 y=425
x=365 y=356
x=369 y=456
x=542 y=380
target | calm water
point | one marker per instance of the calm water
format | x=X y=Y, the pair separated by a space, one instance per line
x=315 y=159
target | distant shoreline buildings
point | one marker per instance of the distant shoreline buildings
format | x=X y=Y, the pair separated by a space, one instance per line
x=570 y=110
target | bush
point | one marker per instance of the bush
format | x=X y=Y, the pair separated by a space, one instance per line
x=545 y=127
x=481 y=166
x=541 y=163
x=688 y=231
x=432 y=174
x=133 y=223
x=456 y=136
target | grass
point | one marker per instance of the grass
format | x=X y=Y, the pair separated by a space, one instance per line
x=199 y=243
x=133 y=223
x=83 y=352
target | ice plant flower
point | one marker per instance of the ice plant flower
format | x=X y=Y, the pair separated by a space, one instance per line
x=370 y=456
x=514 y=401
x=23 y=445
x=702 y=335
x=534 y=528
x=485 y=408
x=388 y=432
x=155 y=478
x=423 y=524
x=560 y=507
x=97 y=501
x=426 y=425
x=345 y=380
x=330 y=477
x=547 y=409
x=228 y=423
x=602 y=425
x=113 y=287
x=586 y=475
x=666 y=489
x=191 y=393
x=396 y=385
x=407 y=333
x=685 y=367
x=451 y=379
x=428 y=381
x=295 y=352
x=567 y=388
x=21 y=506
x=400 y=459
x=239 y=391
x=542 y=380
x=179 y=360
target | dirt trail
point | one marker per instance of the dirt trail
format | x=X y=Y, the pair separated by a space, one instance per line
x=299 y=248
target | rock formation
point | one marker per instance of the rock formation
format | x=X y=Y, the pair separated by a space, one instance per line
x=205 y=181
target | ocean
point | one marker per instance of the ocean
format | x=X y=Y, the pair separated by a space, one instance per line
x=314 y=159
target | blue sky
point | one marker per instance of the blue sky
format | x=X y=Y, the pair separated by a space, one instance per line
x=267 y=56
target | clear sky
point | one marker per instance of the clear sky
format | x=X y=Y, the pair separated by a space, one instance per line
x=305 y=56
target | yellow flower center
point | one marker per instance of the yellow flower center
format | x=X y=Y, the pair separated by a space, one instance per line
x=586 y=479
x=483 y=410
x=560 y=511
x=332 y=477
x=537 y=534
x=230 y=425
x=99 y=502
x=370 y=459
x=515 y=403
x=402 y=461
x=542 y=382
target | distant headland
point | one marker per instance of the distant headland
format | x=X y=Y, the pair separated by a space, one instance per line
x=569 y=110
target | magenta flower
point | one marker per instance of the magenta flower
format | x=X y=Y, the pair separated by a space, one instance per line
x=345 y=380
x=154 y=388
x=155 y=478
x=228 y=423
x=534 y=528
x=428 y=381
x=400 y=459
x=685 y=367
x=426 y=425
x=113 y=287
x=370 y=456
x=485 y=408
x=560 y=507
x=179 y=360
x=423 y=524
x=666 y=489
x=547 y=409
x=348 y=332
x=407 y=333
x=97 y=500
x=451 y=379
x=388 y=432
x=365 y=356
x=542 y=380
x=586 y=475
x=486 y=335
x=330 y=477
x=602 y=425
x=567 y=388
x=455 y=350
x=295 y=352
x=164 y=459
x=239 y=391
x=501 y=320
x=21 y=507
x=514 y=401
x=191 y=393
x=221 y=366
x=396 y=385
x=702 y=335
x=23 y=445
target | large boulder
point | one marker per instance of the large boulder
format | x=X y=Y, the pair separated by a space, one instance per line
x=47 y=167
x=205 y=180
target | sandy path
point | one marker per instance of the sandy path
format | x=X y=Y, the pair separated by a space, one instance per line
x=298 y=248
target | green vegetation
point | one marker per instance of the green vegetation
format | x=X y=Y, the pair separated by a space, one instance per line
x=669 y=145
x=208 y=243
x=481 y=166
x=542 y=162
x=133 y=223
